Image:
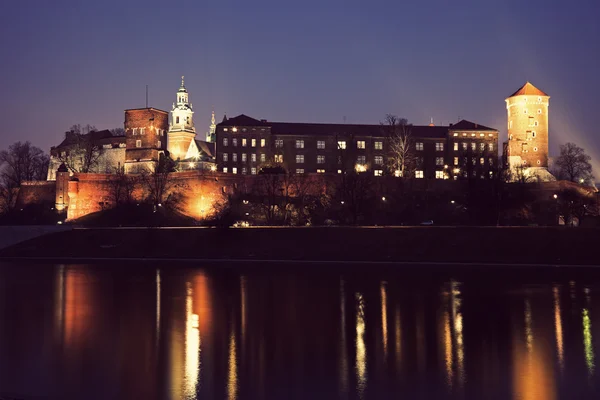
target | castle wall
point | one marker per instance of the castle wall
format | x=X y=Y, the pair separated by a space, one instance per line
x=108 y=160
x=528 y=130
x=36 y=192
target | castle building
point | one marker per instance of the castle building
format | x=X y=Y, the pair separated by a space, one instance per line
x=460 y=151
x=145 y=138
x=527 y=147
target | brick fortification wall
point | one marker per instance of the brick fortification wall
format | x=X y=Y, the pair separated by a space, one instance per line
x=36 y=192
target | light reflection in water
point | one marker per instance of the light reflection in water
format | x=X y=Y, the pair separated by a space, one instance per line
x=587 y=341
x=343 y=351
x=157 y=305
x=243 y=305
x=528 y=327
x=398 y=334
x=361 y=351
x=458 y=331
x=448 y=349
x=558 y=328
x=192 y=347
x=232 y=378
x=384 y=330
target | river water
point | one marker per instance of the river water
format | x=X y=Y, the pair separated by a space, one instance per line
x=132 y=331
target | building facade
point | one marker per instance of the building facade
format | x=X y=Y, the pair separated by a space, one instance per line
x=145 y=138
x=460 y=151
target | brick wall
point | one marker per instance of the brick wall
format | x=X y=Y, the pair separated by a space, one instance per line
x=148 y=127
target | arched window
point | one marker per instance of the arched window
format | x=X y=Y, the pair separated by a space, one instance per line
x=177 y=120
x=533 y=134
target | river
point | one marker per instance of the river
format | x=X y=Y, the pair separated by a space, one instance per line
x=181 y=331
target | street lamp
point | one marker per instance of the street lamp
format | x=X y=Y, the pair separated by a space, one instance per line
x=383 y=198
x=555 y=196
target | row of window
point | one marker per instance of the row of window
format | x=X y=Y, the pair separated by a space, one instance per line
x=142 y=131
x=138 y=143
x=482 y=146
x=244 y=141
x=234 y=157
x=473 y=161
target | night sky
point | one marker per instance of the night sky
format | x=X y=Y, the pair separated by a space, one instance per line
x=67 y=62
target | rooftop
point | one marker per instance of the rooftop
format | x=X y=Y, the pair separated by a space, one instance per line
x=528 y=90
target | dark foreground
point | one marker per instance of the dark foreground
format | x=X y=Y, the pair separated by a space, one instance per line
x=143 y=331
x=549 y=246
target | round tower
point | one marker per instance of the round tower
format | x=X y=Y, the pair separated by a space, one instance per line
x=527 y=110
x=62 y=188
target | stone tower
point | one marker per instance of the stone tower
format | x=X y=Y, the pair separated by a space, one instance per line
x=145 y=138
x=62 y=188
x=181 y=128
x=210 y=135
x=527 y=146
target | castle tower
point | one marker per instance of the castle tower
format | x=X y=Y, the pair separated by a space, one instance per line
x=145 y=138
x=527 y=145
x=181 y=128
x=62 y=188
x=210 y=136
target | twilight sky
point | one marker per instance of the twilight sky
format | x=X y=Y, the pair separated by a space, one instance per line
x=67 y=62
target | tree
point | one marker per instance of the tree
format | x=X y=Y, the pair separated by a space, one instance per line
x=401 y=157
x=118 y=132
x=83 y=153
x=573 y=164
x=271 y=190
x=158 y=183
x=121 y=187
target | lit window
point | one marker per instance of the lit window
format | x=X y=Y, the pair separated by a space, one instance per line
x=481 y=161
x=234 y=129
x=243 y=157
x=158 y=144
x=263 y=157
x=225 y=129
x=360 y=144
x=361 y=160
x=473 y=146
x=225 y=169
x=253 y=157
x=539 y=110
x=481 y=134
x=378 y=145
x=253 y=170
x=339 y=171
x=342 y=144
x=378 y=160
x=491 y=174
x=397 y=173
x=299 y=159
x=278 y=158
x=419 y=146
x=455 y=134
x=299 y=144
x=418 y=174
x=455 y=146
x=320 y=159
x=439 y=146
x=482 y=146
x=234 y=157
x=225 y=157
x=455 y=160
x=138 y=143
x=464 y=146
x=473 y=160
x=263 y=142
x=234 y=142
x=439 y=161
x=490 y=146
x=278 y=143
x=135 y=131
x=439 y=174
x=320 y=144
x=244 y=171
x=378 y=172
x=535 y=149
x=234 y=170
x=525 y=111
x=253 y=142
x=299 y=171
x=472 y=135
x=225 y=142
x=244 y=142
x=320 y=171
x=142 y=131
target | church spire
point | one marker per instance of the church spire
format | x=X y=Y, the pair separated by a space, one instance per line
x=211 y=136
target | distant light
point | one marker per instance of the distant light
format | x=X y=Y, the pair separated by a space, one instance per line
x=452 y=201
x=445 y=166
x=383 y=198
x=342 y=202
x=234 y=129
x=59 y=222
x=192 y=165
x=581 y=180
x=247 y=213
x=159 y=204
x=245 y=201
x=397 y=173
x=555 y=196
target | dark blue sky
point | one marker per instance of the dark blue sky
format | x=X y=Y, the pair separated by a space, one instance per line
x=66 y=62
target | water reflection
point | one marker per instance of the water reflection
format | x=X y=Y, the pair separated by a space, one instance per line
x=192 y=347
x=361 y=350
x=452 y=334
x=384 y=331
x=558 y=327
x=343 y=348
x=232 y=374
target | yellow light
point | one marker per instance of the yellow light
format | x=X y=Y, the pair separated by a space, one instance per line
x=397 y=173
x=192 y=165
x=384 y=329
x=234 y=129
x=587 y=341
x=383 y=198
x=555 y=196
x=213 y=168
x=361 y=350
x=360 y=168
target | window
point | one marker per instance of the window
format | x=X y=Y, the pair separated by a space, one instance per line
x=234 y=142
x=263 y=157
x=299 y=144
x=243 y=157
x=361 y=160
x=378 y=160
x=177 y=120
x=490 y=146
x=439 y=174
x=465 y=160
x=464 y=146
x=142 y=131
x=299 y=159
x=474 y=161
x=533 y=134
x=378 y=145
x=234 y=170
x=473 y=146
x=244 y=142
x=439 y=146
x=439 y=161
x=234 y=129
x=138 y=143
x=455 y=146
x=320 y=171
x=419 y=146
x=474 y=174
x=278 y=158
x=320 y=159
x=134 y=131
x=253 y=170
x=525 y=111
x=378 y=172
x=253 y=142
x=491 y=161
x=278 y=143
x=418 y=174
x=342 y=144
x=225 y=157
x=158 y=144
x=455 y=160
x=263 y=142
x=538 y=162
x=539 y=99
x=320 y=144
x=339 y=171
x=225 y=142
x=225 y=169
x=234 y=157
x=535 y=149
x=482 y=146
x=535 y=123
x=539 y=110
x=481 y=161
x=253 y=157
x=244 y=171
x=360 y=144
x=299 y=171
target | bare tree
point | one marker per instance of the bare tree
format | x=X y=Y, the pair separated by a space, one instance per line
x=401 y=158
x=573 y=164
x=271 y=190
x=23 y=162
x=83 y=153
x=118 y=132
x=121 y=187
x=158 y=183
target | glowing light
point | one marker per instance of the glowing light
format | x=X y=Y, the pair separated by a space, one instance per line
x=558 y=328
x=456 y=170
x=361 y=350
x=213 y=168
x=232 y=383
x=383 y=198
x=458 y=331
x=587 y=341
x=555 y=196
x=192 y=347
x=342 y=202
x=192 y=164
x=448 y=349
x=452 y=201
x=245 y=201
x=234 y=129
x=397 y=173
x=360 y=168
x=384 y=330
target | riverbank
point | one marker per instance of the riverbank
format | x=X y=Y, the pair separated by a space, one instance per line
x=549 y=246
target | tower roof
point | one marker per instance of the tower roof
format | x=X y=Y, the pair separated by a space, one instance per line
x=528 y=90
x=182 y=88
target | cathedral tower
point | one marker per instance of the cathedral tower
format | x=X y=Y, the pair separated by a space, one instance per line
x=181 y=129
x=527 y=145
